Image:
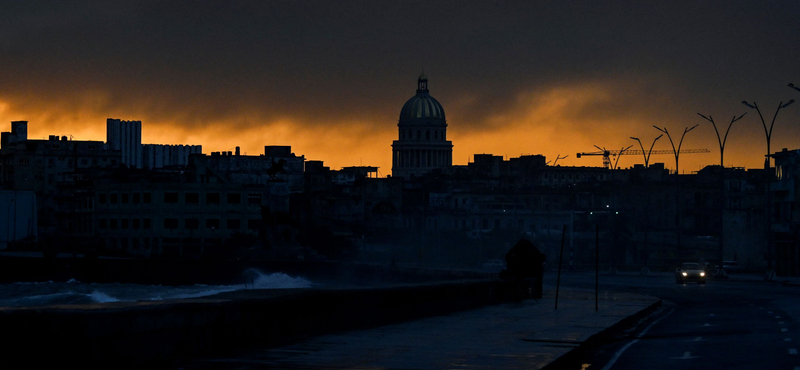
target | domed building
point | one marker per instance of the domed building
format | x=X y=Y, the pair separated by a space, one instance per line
x=422 y=145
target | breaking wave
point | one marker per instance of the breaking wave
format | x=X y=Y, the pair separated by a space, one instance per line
x=74 y=292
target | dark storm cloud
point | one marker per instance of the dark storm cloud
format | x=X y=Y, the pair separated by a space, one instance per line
x=316 y=63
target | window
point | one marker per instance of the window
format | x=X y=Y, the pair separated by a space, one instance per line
x=170 y=223
x=146 y=197
x=84 y=161
x=146 y=223
x=136 y=197
x=253 y=224
x=113 y=198
x=234 y=224
x=113 y=223
x=171 y=197
x=136 y=223
x=192 y=223
x=212 y=198
x=192 y=198
x=124 y=197
x=102 y=198
x=234 y=198
x=212 y=223
x=124 y=223
x=102 y=223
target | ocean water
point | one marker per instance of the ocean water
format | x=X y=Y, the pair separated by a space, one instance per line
x=33 y=294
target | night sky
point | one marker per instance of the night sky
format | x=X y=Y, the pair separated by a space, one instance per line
x=329 y=77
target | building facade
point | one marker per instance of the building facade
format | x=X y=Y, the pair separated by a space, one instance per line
x=125 y=136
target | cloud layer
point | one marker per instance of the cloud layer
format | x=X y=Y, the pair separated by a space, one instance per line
x=329 y=79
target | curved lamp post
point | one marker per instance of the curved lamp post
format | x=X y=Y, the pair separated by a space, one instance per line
x=677 y=152
x=647 y=153
x=722 y=140
x=768 y=132
x=768 y=174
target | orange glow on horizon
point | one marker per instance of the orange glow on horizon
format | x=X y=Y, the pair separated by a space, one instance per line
x=561 y=120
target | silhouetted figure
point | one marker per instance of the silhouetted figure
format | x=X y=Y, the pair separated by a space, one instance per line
x=525 y=262
x=250 y=276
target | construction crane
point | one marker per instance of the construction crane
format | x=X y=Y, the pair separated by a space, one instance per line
x=607 y=154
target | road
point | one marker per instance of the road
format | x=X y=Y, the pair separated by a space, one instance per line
x=725 y=324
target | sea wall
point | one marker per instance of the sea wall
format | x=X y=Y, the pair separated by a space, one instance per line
x=33 y=267
x=146 y=333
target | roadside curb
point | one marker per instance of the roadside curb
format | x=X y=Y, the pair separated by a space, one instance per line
x=572 y=359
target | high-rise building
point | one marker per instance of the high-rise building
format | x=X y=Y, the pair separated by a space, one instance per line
x=125 y=136
x=422 y=145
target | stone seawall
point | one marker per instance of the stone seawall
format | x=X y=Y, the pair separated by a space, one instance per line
x=146 y=333
x=62 y=267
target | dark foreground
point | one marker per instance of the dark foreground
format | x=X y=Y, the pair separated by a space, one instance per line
x=742 y=322
x=738 y=323
x=530 y=334
x=149 y=333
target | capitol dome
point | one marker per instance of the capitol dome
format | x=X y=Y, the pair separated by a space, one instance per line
x=421 y=146
x=422 y=106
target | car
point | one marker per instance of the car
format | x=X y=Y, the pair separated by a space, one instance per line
x=690 y=271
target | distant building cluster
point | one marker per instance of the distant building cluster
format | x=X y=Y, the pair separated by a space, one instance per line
x=173 y=201
x=126 y=136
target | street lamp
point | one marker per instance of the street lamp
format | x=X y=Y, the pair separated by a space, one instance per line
x=677 y=152
x=722 y=140
x=647 y=154
x=768 y=132
x=721 y=272
x=620 y=156
x=768 y=174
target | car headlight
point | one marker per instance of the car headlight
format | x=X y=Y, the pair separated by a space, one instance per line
x=684 y=274
x=702 y=274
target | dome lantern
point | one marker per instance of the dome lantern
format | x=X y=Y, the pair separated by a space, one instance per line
x=422 y=84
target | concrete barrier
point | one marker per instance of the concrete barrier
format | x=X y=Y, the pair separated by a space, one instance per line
x=32 y=266
x=140 y=333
